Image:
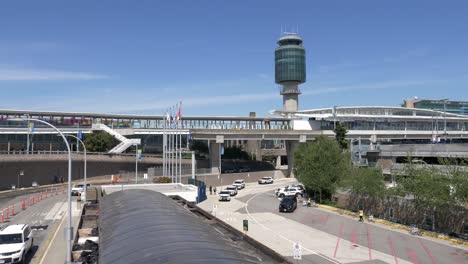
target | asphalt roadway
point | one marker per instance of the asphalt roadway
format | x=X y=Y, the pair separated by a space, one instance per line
x=44 y=217
x=374 y=237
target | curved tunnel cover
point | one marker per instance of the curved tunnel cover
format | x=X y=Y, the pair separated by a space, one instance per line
x=142 y=226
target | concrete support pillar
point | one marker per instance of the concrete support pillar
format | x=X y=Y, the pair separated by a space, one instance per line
x=278 y=162
x=291 y=147
x=254 y=147
x=193 y=164
x=214 y=156
x=8 y=147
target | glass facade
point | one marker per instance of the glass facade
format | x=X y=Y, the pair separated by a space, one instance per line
x=454 y=107
x=290 y=64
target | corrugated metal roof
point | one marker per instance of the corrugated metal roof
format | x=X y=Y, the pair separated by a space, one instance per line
x=142 y=226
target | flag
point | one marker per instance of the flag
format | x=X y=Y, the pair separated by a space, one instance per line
x=179 y=113
x=168 y=117
x=31 y=127
x=139 y=154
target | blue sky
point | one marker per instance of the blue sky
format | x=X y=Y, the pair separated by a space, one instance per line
x=218 y=56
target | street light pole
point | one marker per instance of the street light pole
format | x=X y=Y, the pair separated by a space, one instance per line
x=445 y=119
x=136 y=163
x=69 y=228
x=21 y=173
x=85 y=169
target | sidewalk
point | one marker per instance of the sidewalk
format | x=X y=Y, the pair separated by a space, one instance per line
x=55 y=248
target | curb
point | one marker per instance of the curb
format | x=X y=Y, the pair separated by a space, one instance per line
x=387 y=223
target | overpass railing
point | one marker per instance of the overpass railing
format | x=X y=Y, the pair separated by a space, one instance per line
x=62 y=152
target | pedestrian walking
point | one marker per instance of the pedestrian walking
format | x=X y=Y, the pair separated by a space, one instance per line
x=361 y=215
x=214 y=190
x=211 y=190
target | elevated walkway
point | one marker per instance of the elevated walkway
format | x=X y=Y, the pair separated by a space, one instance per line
x=125 y=143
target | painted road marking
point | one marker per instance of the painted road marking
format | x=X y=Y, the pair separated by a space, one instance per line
x=49 y=242
x=53 y=211
x=392 y=248
x=283 y=237
x=433 y=259
x=412 y=256
x=338 y=240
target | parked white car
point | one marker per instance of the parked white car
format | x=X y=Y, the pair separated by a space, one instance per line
x=265 y=180
x=225 y=195
x=232 y=189
x=240 y=184
x=290 y=191
x=15 y=242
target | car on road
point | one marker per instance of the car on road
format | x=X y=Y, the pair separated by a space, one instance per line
x=232 y=189
x=77 y=189
x=288 y=204
x=15 y=242
x=240 y=184
x=300 y=186
x=265 y=180
x=225 y=195
x=290 y=191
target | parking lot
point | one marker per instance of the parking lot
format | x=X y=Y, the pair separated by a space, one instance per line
x=327 y=237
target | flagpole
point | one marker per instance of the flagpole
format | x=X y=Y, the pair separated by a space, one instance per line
x=164 y=144
x=179 y=114
x=172 y=144
x=176 y=169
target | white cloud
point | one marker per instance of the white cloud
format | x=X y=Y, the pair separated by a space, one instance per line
x=20 y=74
x=119 y=100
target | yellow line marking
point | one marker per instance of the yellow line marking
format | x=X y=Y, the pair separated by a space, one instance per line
x=49 y=241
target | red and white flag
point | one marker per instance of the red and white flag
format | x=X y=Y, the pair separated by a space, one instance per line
x=179 y=114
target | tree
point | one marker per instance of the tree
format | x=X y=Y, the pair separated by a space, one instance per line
x=428 y=186
x=340 y=135
x=365 y=181
x=200 y=147
x=235 y=152
x=320 y=165
x=99 y=142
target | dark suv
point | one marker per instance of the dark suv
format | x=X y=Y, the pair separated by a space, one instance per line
x=288 y=204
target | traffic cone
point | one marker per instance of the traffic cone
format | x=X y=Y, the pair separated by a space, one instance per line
x=23 y=205
x=7 y=213
x=3 y=218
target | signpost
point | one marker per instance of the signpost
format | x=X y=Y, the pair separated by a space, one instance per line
x=297 y=251
x=245 y=225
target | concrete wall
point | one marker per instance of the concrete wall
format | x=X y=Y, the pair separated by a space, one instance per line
x=227 y=179
x=45 y=169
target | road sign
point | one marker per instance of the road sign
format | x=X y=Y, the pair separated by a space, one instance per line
x=297 y=251
x=31 y=127
x=245 y=225
x=80 y=134
x=139 y=154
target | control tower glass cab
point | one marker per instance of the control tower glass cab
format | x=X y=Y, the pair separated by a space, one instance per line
x=290 y=69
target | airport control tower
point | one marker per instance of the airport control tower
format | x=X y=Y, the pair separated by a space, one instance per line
x=290 y=69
